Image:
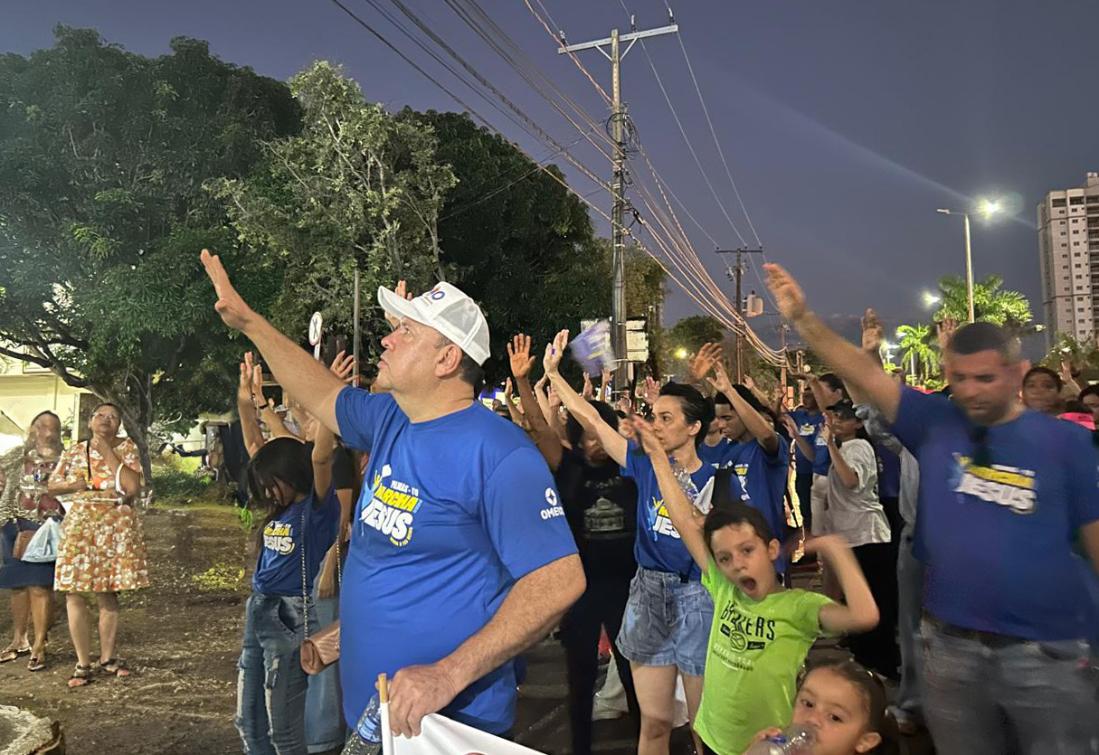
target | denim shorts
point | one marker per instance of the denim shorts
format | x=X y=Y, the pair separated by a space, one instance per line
x=667 y=622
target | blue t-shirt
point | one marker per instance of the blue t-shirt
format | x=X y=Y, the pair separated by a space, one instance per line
x=997 y=540
x=658 y=545
x=822 y=457
x=714 y=455
x=453 y=512
x=763 y=478
x=278 y=570
x=808 y=425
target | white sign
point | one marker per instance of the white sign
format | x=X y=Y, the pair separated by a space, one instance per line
x=441 y=736
x=316 y=324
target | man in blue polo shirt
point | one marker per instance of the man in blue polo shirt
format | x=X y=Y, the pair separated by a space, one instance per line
x=460 y=554
x=1004 y=494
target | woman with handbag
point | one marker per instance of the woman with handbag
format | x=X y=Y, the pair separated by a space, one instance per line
x=24 y=506
x=296 y=487
x=102 y=550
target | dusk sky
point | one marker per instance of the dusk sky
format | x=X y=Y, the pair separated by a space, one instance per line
x=846 y=124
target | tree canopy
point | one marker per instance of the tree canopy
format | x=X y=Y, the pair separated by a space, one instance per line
x=103 y=154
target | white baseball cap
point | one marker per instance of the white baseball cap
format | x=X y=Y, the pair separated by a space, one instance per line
x=449 y=311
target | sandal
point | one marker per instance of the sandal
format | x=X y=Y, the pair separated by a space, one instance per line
x=82 y=676
x=36 y=663
x=114 y=667
x=10 y=654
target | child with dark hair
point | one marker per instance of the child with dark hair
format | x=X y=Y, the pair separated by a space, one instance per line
x=761 y=632
x=1042 y=390
x=843 y=705
x=295 y=487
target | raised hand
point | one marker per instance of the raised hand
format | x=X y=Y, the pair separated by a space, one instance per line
x=401 y=290
x=873 y=334
x=945 y=332
x=343 y=367
x=789 y=298
x=519 y=356
x=244 y=386
x=588 y=391
x=646 y=436
x=555 y=352
x=704 y=361
x=720 y=381
x=791 y=426
x=234 y=311
x=652 y=390
x=508 y=392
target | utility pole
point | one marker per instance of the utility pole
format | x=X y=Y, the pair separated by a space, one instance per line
x=618 y=179
x=738 y=274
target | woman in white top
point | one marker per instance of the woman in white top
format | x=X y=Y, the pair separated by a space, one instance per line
x=856 y=514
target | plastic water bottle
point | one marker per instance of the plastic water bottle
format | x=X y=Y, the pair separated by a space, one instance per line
x=366 y=737
x=796 y=740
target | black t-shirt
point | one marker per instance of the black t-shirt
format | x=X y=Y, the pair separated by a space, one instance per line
x=601 y=509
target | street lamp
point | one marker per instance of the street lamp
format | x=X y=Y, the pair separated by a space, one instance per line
x=930 y=299
x=681 y=353
x=986 y=208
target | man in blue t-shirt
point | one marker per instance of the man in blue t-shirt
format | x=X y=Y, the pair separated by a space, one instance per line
x=460 y=554
x=1004 y=494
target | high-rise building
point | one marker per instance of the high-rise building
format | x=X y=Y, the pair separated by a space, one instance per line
x=1068 y=243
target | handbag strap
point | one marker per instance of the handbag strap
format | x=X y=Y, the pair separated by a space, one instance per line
x=304 y=570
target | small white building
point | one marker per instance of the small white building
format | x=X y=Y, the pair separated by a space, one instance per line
x=27 y=389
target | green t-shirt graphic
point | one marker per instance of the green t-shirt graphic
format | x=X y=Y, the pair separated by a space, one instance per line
x=755 y=651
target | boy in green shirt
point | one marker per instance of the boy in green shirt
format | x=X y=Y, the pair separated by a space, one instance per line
x=761 y=631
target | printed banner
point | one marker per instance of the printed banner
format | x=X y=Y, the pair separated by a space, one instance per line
x=441 y=736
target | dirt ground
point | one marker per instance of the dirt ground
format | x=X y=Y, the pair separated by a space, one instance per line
x=181 y=637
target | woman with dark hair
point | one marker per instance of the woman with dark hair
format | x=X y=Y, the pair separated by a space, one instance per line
x=667 y=618
x=295 y=487
x=601 y=508
x=24 y=506
x=102 y=550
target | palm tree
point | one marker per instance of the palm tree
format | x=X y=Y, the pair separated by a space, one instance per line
x=914 y=341
x=991 y=303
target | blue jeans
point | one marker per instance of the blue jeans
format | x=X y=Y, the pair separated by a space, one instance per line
x=996 y=695
x=667 y=622
x=271 y=684
x=324 y=729
x=909 y=610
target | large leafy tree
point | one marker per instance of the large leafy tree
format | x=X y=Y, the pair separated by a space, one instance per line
x=102 y=158
x=991 y=303
x=357 y=188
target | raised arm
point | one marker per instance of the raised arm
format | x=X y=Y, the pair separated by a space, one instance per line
x=758 y=425
x=324 y=443
x=614 y=444
x=251 y=376
x=685 y=518
x=848 y=476
x=544 y=437
x=860 y=614
x=293 y=367
x=806 y=447
x=514 y=412
x=847 y=360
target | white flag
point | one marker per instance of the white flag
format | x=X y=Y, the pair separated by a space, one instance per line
x=441 y=736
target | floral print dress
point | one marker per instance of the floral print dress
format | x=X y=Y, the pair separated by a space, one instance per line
x=102 y=548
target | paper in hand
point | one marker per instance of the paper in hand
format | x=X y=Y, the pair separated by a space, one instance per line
x=592 y=349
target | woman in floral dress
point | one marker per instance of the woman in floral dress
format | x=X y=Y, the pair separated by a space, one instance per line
x=24 y=505
x=102 y=550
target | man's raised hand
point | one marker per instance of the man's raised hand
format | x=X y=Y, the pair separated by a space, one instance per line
x=519 y=356
x=343 y=367
x=873 y=334
x=234 y=311
x=720 y=381
x=789 y=298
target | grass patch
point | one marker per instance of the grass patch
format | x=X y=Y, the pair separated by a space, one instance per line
x=220 y=578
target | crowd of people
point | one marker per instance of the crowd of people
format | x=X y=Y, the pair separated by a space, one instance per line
x=955 y=533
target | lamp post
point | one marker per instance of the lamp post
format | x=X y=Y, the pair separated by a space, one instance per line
x=985 y=207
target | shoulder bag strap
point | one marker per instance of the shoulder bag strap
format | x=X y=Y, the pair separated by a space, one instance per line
x=304 y=572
